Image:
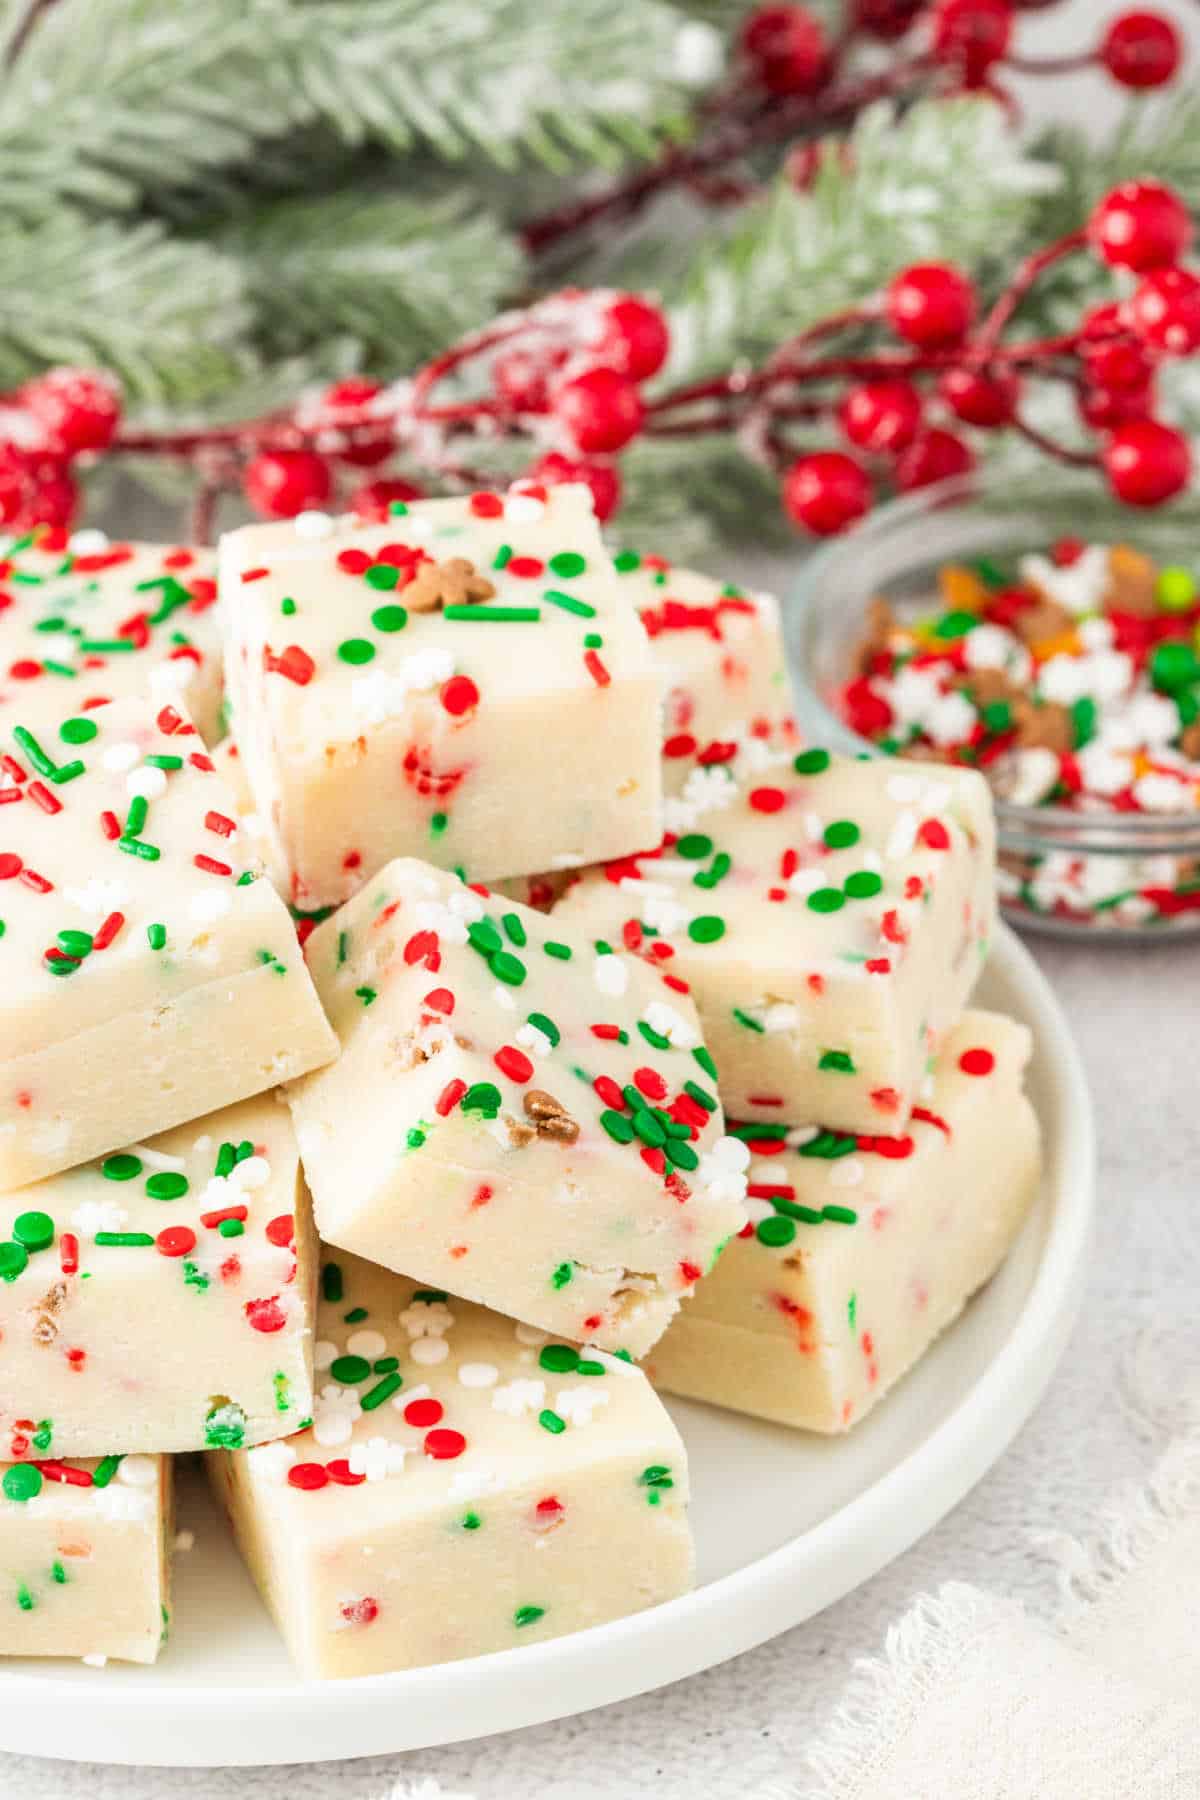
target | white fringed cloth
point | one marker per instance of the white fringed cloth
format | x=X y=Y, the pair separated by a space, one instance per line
x=973 y=1700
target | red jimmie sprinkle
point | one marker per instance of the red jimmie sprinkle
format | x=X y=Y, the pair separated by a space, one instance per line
x=609 y=1092
x=525 y=568
x=211 y=866
x=682 y=744
x=514 y=1063
x=169 y=721
x=487 y=506
x=767 y=799
x=933 y=834
x=650 y=1083
x=110 y=825
x=293 y=663
x=420 y=947
x=40 y=794
x=606 y=1033
x=596 y=668
x=217 y=822
x=68 y=1253
x=255 y=574
x=108 y=931
x=449 y=1097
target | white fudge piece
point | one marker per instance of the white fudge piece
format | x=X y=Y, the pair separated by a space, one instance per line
x=719 y=650
x=162 y=1297
x=515 y=1115
x=83 y=620
x=84 y=1557
x=829 y=915
x=467 y=682
x=467 y=1486
x=859 y=1254
x=149 y=975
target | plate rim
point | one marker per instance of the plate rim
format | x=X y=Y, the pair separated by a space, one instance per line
x=510 y=1689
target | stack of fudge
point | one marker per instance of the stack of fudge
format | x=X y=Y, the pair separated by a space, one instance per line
x=508 y=1019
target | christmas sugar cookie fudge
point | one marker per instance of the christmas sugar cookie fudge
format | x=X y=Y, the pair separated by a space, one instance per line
x=466 y=682
x=83 y=1556
x=83 y=621
x=162 y=1296
x=720 y=654
x=517 y=1114
x=148 y=975
x=468 y=1485
x=861 y=1250
x=829 y=915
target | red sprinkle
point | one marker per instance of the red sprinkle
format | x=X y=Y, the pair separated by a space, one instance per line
x=176 y=1240
x=459 y=695
x=933 y=834
x=767 y=799
x=424 y=1412
x=442 y=1445
x=977 y=1062
x=215 y=821
x=487 y=506
x=650 y=1083
x=339 y=1470
x=596 y=668
x=265 y=1315
x=439 y=1000
x=354 y=562
x=211 y=866
x=110 y=825
x=607 y=1033
x=449 y=1097
x=281 y=1230
x=108 y=931
x=514 y=1063
x=609 y=1092
x=525 y=568
x=689 y=1272
x=308 y=1476
x=68 y=1253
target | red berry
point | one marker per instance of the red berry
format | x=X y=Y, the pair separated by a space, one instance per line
x=602 y=478
x=972 y=35
x=1140 y=225
x=882 y=416
x=980 y=399
x=935 y=456
x=354 y=391
x=522 y=378
x=1118 y=363
x=786 y=46
x=1146 y=463
x=375 y=498
x=600 y=409
x=1165 y=311
x=14 y=478
x=1104 y=408
x=635 y=339
x=886 y=19
x=1141 y=50
x=282 y=483
x=930 y=304
x=80 y=408
x=48 y=496
x=826 y=491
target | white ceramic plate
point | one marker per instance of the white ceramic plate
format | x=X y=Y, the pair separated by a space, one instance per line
x=785 y=1524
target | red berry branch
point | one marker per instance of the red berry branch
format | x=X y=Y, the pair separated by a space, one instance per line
x=906 y=380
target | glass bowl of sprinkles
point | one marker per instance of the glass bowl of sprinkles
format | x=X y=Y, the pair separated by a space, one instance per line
x=1044 y=634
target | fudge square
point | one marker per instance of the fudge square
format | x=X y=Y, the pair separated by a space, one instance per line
x=861 y=1250
x=84 y=1557
x=517 y=1115
x=467 y=1485
x=162 y=1296
x=149 y=975
x=83 y=620
x=720 y=653
x=829 y=915
x=466 y=682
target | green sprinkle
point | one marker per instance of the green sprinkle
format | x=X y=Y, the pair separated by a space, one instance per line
x=625 y=561
x=429 y=1296
x=482 y=1097
x=13 y=1259
x=706 y=929
x=826 y=900
x=383 y=1390
x=586 y=1366
x=839 y=1061
x=508 y=968
x=287 y=607
x=225 y=1427
x=695 y=846
x=139 y=807
x=652 y=1037
x=617 y=1126
x=483 y=935
x=135 y=847
x=365 y=994
x=25 y=1599
x=231 y=1228
x=283 y=1391
x=384 y=1365
x=840 y=1215
x=42 y=763
x=703 y=1056
x=546 y=1026
x=389 y=618
x=550 y=1421
x=841 y=834
x=561 y=1275
x=559 y=1359
x=58 y=1574
x=343 y=945
x=744 y=1018
x=775 y=1232
x=397 y=509
x=437 y=824
x=124 y=1240
x=955 y=624
x=1175 y=589
x=529 y=1615
x=35 y=1230
x=568 y=603
x=356 y=650
x=567 y=564
x=494 y=615
x=355 y=1316
x=716 y=872
x=680 y=1153
x=22 y=1482
x=104 y=1470
x=1083 y=721
x=516 y=931
x=864 y=884
x=592 y=640
x=381 y=575
x=168 y=764
x=156 y=936
x=121 y=1168
x=78 y=731
x=470 y=1521
x=811 y=762
x=331 y=1283
x=167 y=1186
x=561 y=951
x=852 y=1311
x=349 y=1369
x=414 y=1137
x=700 y=1095
x=656 y=1475
x=502 y=557
x=997 y=717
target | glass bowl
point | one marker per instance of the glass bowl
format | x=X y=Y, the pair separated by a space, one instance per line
x=1130 y=875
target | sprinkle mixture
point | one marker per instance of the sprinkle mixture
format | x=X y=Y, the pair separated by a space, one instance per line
x=84 y=620
x=523 y=1062
x=796 y=894
x=442 y=1429
x=389 y=680
x=1071 y=680
x=191 y=1242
